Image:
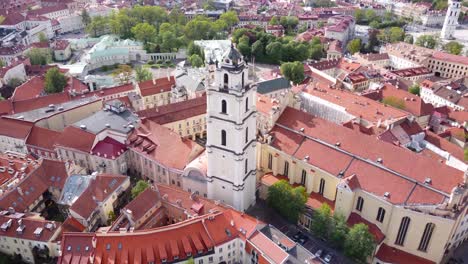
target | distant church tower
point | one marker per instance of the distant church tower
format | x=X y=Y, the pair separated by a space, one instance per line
x=451 y=19
x=231 y=133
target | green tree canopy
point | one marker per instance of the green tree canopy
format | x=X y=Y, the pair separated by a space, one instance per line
x=139 y=188
x=55 y=81
x=427 y=41
x=288 y=201
x=195 y=61
x=144 y=32
x=339 y=231
x=394 y=101
x=453 y=47
x=43 y=37
x=274 y=21
x=321 y=221
x=143 y=74
x=354 y=45
x=14 y=82
x=409 y=39
x=98 y=26
x=111 y=217
x=39 y=56
x=359 y=243
x=293 y=71
x=414 y=89
x=230 y=18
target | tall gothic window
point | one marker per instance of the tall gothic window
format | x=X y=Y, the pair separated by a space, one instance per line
x=223 y=137
x=381 y=214
x=404 y=225
x=270 y=161
x=303 y=177
x=322 y=186
x=246 y=134
x=246 y=104
x=426 y=237
x=286 y=168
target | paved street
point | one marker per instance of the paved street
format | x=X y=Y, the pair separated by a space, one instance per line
x=268 y=215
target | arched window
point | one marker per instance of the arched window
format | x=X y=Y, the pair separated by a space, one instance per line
x=360 y=203
x=426 y=237
x=404 y=225
x=303 y=177
x=226 y=80
x=242 y=79
x=246 y=166
x=322 y=186
x=223 y=137
x=246 y=104
x=381 y=214
x=223 y=107
x=286 y=168
x=246 y=134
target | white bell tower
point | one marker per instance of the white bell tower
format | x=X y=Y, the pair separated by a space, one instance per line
x=451 y=19
x=231 y=132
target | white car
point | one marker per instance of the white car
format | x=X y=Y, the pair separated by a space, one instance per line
x=328 y=258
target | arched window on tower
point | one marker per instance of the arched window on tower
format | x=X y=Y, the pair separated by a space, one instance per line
x=226 y=80
x=242 y=79
x=223 y=137
x=246 y=134
x=223 y=107
x=246 y=104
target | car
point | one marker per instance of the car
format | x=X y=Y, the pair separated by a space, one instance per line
x=319 y=253
x=297 y=236
x=303 y=240
x=328 y=258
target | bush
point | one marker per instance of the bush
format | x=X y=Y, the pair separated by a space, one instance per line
x=150 y=62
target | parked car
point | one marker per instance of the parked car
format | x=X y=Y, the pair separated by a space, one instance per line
x=303 y=240
x=328 y=258
x=297 y=236
x=319 y=253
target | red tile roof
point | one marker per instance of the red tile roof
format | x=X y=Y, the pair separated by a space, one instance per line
x=444 y=144
x=99 y=189
x=42 y=138
x=32 y=88
x=390 y=254
x=143 y=203
x=175 y=112
x=439 y=55
x=405 y=168
x=109 y=148
x=15 y=128
x=269 y=249
x=61 y=44
x=45 y=229
x=358 y=106
x=76 y=138
x=161 y=144
x=152 y=87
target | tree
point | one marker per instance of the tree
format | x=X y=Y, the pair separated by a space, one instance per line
x=98 y=26
x=110 y=217
x=123 y=73
x=409 y=39
x=414 y=89
x=230 y=18
x=359 y=15
x=121 y=23
x=453 y=47
x=288 y=201
x=139 y=188
x=55 y=81
x=321 y=224
x=194 y=49
x=274 y=52
x=195 y=61
x=143 y=74
x=244 y=46
x=293 y=71
x=354 y=46
x=396 y=34
x=257 y=50
x=394 y=101
x=359 y=243
x=371 y=15
x=14 y=82
x=144 y=32
x=339 y=231
x=43 y=37
x=274 y=21
x=427 y=41
x=39 y=56
x=466 y=154
x=190 y=261
x=85 y=17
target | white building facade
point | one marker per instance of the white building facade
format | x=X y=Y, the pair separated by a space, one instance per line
x=231 y=126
